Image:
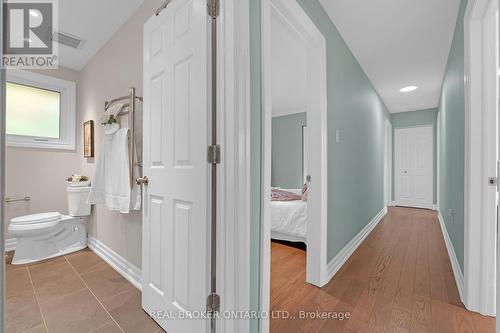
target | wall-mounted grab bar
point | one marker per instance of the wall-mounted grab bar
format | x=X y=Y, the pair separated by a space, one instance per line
x=17 y=199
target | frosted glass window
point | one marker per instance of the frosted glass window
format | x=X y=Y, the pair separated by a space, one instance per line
x=32 y=111
x=40 y=111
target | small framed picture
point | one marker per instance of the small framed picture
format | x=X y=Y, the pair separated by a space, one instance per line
x=88 y=139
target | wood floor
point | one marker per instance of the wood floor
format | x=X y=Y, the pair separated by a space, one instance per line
x=399 y=280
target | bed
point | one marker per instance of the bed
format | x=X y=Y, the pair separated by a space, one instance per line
x=289 y=220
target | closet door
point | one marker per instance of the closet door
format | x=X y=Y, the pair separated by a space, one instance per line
x=414 y=166
x=175 y=247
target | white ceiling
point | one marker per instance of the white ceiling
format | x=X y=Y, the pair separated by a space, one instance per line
x=399 y=43
x=93 y=20
x=288 y=69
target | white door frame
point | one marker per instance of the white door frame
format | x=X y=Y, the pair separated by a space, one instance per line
x=438 y=158
x=2 y=179
x=294 y=15
x=431 y=126
x=498 y=176
x=233 y=177
x=480 y=223
x=388 y=163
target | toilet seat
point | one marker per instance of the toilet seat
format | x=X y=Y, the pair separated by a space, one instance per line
x=36 y=218
x=33 y=226
x=35 y=222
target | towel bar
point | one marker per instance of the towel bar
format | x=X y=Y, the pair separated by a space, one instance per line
x=131 y=116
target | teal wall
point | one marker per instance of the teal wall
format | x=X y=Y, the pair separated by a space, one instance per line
x=411 y=119
x=255 y=153
x=356 y=163
x=287 y=160
x=452 y=145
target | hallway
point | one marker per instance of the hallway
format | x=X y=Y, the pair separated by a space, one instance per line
x=399 y=280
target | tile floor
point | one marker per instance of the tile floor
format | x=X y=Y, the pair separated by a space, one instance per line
x=74 y=293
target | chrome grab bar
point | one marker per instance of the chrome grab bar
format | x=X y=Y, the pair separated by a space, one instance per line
x=8 y=199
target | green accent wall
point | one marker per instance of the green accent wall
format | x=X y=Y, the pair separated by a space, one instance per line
x=287 y=155
x=412 y=119
x=452 y=140
x=356 y=163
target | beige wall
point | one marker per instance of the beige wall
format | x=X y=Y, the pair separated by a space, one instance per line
x=40 y=173
x=110 y=73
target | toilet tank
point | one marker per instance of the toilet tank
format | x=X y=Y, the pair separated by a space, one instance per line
x=77 y=200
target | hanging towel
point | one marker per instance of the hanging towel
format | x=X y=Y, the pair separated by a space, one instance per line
x=111 y=184
x=113 y=111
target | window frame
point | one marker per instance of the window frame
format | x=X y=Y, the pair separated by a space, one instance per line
x=67 y=112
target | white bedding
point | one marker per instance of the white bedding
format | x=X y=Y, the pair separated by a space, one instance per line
x=289 y=220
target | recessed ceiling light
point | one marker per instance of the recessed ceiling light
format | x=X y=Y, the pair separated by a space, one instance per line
x=408 y=89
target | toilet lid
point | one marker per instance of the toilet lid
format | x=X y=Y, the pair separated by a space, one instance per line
x=37 y=218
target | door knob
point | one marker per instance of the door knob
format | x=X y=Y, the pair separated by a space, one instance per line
x=142 y=181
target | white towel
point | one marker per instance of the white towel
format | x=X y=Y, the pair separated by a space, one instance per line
x=111 y=184
x=114 y=109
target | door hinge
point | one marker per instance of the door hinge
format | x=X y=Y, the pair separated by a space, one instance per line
x=213 y=303
x=213 y=154
x=213 y=8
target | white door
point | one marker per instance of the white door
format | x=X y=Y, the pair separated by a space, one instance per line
x=414 y=166
x=175 y=246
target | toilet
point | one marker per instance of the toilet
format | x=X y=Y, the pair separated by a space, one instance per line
x=47 y=235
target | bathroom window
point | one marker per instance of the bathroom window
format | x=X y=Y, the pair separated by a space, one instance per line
x=40 y=111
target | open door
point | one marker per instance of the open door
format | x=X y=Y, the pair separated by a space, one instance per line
x=176 y=214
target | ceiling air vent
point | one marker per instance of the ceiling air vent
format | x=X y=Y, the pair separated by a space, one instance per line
x=68 y=40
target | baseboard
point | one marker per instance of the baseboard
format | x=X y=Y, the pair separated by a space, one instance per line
x=391 y=204
x=129 y=271
x=457 y=271
x=431 y=206
x=10 y=244
x=339 y=260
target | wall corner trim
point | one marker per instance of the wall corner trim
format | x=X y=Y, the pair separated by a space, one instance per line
x=341 y=258
x=457 y=271
x=126 y=269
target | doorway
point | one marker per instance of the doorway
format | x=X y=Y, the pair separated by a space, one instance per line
x=414 y=155
x=309 y=152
